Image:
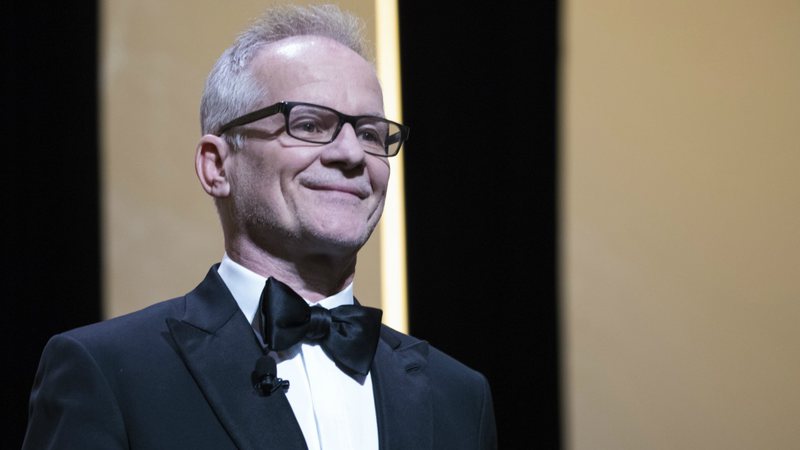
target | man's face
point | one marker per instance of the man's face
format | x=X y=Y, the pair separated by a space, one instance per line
x=297 y=198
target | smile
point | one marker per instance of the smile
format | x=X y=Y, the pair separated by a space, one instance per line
x=340 y=188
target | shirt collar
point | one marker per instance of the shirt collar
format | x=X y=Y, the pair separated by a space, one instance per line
x=246 y=286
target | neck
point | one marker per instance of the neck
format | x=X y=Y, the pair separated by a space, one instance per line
x=314 y=277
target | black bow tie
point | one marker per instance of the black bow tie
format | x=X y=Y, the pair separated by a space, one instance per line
x=347 y=333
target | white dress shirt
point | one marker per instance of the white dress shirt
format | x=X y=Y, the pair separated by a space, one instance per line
x=335 y=411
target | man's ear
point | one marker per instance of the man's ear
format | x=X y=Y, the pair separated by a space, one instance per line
x=209 y=162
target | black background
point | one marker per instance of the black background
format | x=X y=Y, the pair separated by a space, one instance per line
x=50 y=210
x=479 y=92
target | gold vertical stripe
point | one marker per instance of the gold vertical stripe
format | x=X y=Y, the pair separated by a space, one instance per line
x=393 y=234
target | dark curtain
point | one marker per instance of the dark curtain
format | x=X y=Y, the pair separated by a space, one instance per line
x=479 y=92
x=50 y=218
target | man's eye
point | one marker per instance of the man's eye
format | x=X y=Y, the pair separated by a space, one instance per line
x=308 y=126
x=369 y=136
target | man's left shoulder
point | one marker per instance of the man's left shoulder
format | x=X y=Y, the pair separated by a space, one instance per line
x=438 y=363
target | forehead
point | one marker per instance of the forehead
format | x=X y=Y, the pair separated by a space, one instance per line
x=318 y=70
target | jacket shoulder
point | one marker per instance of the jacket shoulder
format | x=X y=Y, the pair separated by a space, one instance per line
x=439 y=363
x=132 y=325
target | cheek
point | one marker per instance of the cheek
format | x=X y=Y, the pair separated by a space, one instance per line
x=254 y=182
x=379 y=172
x=268 y=172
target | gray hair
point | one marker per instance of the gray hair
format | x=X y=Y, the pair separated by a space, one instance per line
x=232 y=90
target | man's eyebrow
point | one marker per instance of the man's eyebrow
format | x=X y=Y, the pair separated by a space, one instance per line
x=375 y=114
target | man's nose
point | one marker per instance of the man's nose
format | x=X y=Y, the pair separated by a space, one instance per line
x=346 y=149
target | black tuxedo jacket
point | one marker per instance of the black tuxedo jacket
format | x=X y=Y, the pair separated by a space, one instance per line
x=177 y=375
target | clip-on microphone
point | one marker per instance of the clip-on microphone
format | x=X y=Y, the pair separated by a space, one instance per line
x=265 y=378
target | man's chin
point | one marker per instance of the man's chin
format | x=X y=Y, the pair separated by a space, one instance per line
x=339 y=239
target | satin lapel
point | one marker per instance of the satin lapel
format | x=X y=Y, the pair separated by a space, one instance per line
x=402 y=400
x=220 y=350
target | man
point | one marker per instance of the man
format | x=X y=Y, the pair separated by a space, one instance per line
x=295 y=155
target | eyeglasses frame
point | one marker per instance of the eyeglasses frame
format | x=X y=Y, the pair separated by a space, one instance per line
x=285 y=107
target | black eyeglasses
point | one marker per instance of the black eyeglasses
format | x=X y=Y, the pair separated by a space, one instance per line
x=320 y=125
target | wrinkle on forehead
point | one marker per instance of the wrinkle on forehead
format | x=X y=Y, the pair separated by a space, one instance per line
x=303 y=61
x=291 y=46
x=296 y=49
x=294 y=46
